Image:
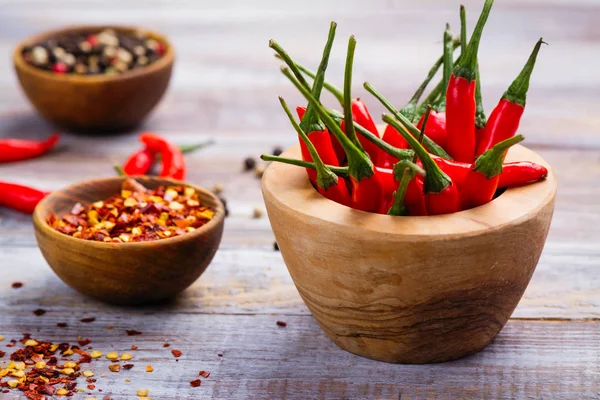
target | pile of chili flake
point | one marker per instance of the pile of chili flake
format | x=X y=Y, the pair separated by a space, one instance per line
x=136 y=214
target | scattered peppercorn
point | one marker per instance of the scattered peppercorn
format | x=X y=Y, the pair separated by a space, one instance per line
x=107 y=52
x=17 y=285
x=275 y=246
x=277 y=151
x=281 y=324
x=249 y=164
x=39 y=312
x=88 y=320
x=257 y=213
x=217 y=188
x=176 y=353
x=195 y=383
x=136 y=214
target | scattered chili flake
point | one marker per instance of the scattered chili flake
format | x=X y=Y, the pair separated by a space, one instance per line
x=91 y=386
x=114 y=367
x=204 y=374
x=61 y=324
x=17 y=285
x=220 y=355
x=88 y=320
x=142 y=392
x=176 y=353
x=2 y=353
x=84 y=342
x=195 y=383
x=127 y=366
x=149 y=368
x=137 y=214
x=134 y=347
x=39 y=312
x=166 y=345
x=281 y=324
x=132 y=332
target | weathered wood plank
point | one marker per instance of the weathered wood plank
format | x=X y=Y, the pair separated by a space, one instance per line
x=537 y=360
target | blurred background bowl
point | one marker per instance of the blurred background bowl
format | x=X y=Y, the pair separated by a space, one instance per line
x=95 y=103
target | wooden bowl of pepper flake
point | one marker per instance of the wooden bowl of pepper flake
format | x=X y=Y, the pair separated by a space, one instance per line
x=94 y=78
x=409 y=289
x=126 y=241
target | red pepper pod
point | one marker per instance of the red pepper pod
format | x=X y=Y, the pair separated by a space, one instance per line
x=172 y=157
x=322 y=142
x=520 y=173
x=445 y=202
x=20 y=198
x=415 y=199
x=393 y=138
x=457 y=171
x=12 y=150
x=436 y=127
x=139 y=163
x=460 y=119
x=367 y=194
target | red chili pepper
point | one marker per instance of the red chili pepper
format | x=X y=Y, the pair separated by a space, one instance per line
x=20 y=198
x=482 y=180
x=139 y=163
x=415 y=199
x=504 y=120
x=520 y=173
x=362 y=117
x=172 y=157
x=325 y=179
x=456 y=170
x=460 y=97
x=441 y=195
x=337 y=147
x=436 y=127
x=393 y=138
x=12 y=150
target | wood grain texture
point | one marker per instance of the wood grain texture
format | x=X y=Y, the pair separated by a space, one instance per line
x=94 y=103
x=224 y=86
x=126 y=273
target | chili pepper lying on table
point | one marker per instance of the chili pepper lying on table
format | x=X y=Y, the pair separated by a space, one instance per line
x=504 y=120
x=12 y=150
x=482 y=181
x=309 y=121
x=173 y=163
x=19 y=197
x=460 y=97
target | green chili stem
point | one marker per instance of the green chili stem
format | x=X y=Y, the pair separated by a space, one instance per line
x=400 y=154
x=190 y=148
x=339 y=171
x=349 y=120
x=325 y=178
x=422 y=135
x=334 y=90
x=430 y=144
x=490 y=162
x=360 y=166
x=435 y=179
x=517 y=92
x=440 y=104
x=290 y=63
x=463 y=29
x=119 y=170
x=467 y=67
x=409 y=171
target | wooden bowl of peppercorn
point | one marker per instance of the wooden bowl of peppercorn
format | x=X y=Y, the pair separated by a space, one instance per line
x=409 y=289
x=115 y=93
x=126 y=273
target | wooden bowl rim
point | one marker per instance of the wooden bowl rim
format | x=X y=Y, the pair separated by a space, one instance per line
x=289 y=187
x=163 y=62
x=218 y=219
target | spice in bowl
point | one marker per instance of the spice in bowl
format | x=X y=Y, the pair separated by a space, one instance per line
x=106 y=52
x=137 y=214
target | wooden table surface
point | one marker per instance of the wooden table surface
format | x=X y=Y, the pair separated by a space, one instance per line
x=225 y=87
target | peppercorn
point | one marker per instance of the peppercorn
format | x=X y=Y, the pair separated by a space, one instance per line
x=249 y=163
x=277 y=151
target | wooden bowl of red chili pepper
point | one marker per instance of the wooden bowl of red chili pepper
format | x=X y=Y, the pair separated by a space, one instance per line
x=98 y=102
x=409 y=289
x=126 y=273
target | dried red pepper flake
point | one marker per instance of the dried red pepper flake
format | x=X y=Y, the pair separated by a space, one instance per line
x=133 y=332
x=84 y=342
x=2 y=353
x=134 y=347
x=17 y=285
x=91 y=387
x=39 y=312
x=62 y=325
x=88 y=320
x=114 y=367
x=195 y=383
x=128 y=366
x=204 y=374
x=176 y=353
x=282 y=324
x=166 y=345
x=220 y=355
x=137 y=214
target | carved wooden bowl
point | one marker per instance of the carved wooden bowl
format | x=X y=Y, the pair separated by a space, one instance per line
x=409 y=289
x=95 y=103
x=126 y=273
